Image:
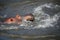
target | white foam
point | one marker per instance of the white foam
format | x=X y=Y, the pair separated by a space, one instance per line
x=44 y=19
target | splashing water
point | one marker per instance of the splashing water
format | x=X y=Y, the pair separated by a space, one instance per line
x=42 y=19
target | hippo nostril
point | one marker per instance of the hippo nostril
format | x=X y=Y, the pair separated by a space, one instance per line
x=11 y=19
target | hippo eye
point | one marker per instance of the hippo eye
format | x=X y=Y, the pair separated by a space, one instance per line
x=18 y=16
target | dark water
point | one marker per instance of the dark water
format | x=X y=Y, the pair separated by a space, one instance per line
x=11 y=7
x=21 y=35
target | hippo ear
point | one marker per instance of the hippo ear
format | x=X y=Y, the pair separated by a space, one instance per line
x=30 y=20
x=30 y=14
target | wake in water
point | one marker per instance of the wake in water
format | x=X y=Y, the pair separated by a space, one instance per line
x=42 y=18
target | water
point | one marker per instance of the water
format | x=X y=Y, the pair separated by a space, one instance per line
x=45 y=26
